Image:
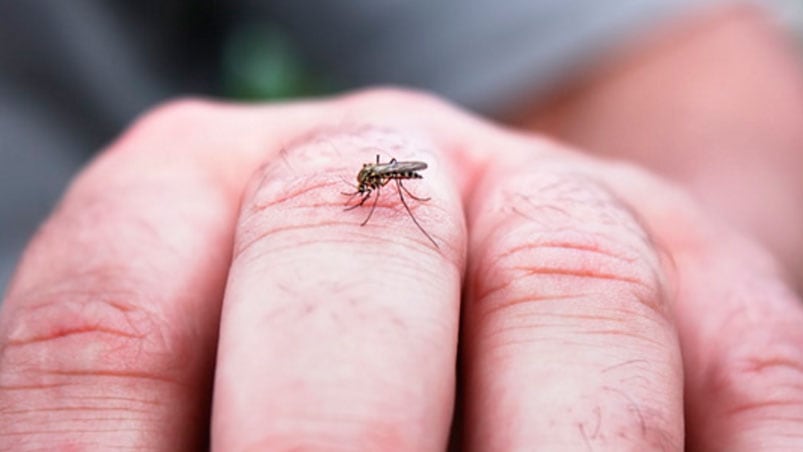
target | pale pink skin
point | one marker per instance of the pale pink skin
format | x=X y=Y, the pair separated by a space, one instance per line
x=201 y=277
x=714 y=103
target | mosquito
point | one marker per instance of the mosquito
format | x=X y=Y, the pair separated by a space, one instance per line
x=374 y=176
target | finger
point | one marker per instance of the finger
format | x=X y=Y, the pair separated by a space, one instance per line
x=336 y=335
x=740 y=325
x=109 y=327
x=568 y=343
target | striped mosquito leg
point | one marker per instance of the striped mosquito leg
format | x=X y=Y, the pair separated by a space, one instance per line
x=373 y=206
x=410 y=194
x=401 y=196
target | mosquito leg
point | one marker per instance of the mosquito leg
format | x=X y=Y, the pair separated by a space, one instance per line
x=376 y=198
x=350 y=195
x=350 y=185
x=401 y=196
x=410 y=194
x=362 y=201
x=365 y=198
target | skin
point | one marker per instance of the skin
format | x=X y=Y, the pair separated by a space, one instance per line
x=200 y=279
x=714 y=102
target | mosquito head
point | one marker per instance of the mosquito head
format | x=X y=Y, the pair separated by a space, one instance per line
x=364 y=175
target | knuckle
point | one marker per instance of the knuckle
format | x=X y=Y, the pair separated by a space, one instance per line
x=570 y=238
x=168 y=121
x=303 y=192
x=750 y=360
x=299 y=185
x=75 y=364
x=179 y=111
x=397 y=98
x=80 y=333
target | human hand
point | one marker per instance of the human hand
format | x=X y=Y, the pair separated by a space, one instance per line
x=575 y=285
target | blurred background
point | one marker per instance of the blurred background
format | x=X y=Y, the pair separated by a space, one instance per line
x=74 y=74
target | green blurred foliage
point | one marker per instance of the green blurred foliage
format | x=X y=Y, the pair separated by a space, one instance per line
x=260 y=62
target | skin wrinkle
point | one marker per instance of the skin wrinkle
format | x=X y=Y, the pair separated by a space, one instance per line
x=762 y=364
x=540 y=326
x=258 y=205
x=32 y=433
x=495 y=348
x=60 y=317
x=622 y=332
x=562 y=245
x=627 y=363
x=535 y=209
x=361 y=238
x=567 y=316
x=133 y=375
x=576 y=242
x=355 y=238
x=744 y=369
x=525 y=300
x=72 y=331
x=155 y=402
x=244 y=246
x=510 y=330
x=75 y=408
x=403 y=263
x=621 y=313
x=764 y=404
x=579 y=273
x=36 y=386
x=495 y=309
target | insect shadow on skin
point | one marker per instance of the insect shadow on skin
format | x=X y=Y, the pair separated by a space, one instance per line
x=373 y=176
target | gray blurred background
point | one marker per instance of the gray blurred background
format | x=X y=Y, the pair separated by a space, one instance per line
x=74 y=74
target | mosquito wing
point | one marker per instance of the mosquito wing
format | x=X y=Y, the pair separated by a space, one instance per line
x=399 y=167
